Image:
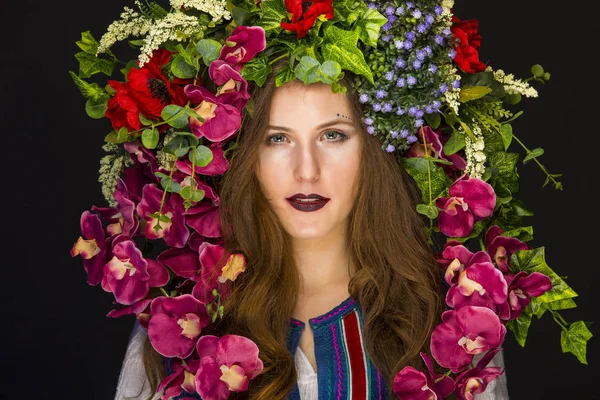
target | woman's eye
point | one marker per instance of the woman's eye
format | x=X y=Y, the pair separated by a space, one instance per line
x=331 y=136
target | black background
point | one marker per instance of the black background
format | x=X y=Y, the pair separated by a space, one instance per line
x=57 y=342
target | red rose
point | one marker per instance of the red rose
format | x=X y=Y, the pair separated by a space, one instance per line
x=303 y=20
x=467 y=57
x=147 y=90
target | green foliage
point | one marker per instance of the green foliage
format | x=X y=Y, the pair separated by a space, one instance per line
x=574 y=340
x=341 y=46
x=430 y=178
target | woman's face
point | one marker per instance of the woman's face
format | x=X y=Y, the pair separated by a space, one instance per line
x=312 y=146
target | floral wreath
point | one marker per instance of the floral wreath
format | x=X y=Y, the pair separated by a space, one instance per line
x=176 y=115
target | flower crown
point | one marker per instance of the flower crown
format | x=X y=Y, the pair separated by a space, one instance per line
x=177 y=112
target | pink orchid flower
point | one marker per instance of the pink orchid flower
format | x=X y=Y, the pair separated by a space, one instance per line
x=218 y=165
x=174 y=232
x=182 y=378
x=204 y=219
x=453 y=259
x=463 y=333
x=91 y=247
x=247 y=41
x=411 y=384
x=469 y=199
x=522 y=287
x=430 y=143
x=501 y=248
x=227 y=364
x=121 y=219
x=233 y=89
x=176 y=324
x=475 y=380
x=129 y=276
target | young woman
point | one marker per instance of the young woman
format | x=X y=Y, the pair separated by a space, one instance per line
x=341 y=290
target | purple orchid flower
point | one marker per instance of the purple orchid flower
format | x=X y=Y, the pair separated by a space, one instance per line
x=129 y=275
x=233 y=88
x=475 y=380
x=430 y=142
x=463 y=333
x=175 y=233
x=454 y=257
x=91 y=246
x=227 y=364
x=522 y=287
x=501 y=248
x=175 y=324
x=221 y=120
x=218 y=165
x=182 y=378
x=204 y=219
x=247 y=42
x=121 y=219
x=469 y=199
x=411 y=384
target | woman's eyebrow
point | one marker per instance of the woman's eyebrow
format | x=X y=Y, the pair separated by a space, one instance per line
x=323 y=125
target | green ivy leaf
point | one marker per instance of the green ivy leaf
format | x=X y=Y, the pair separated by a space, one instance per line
x=428 y=210
x=150 y=138
x=369 y=25
x=209 y=50
x=417 y=167
x=348 y=11
x=506 y=133
x=341 y=46
x=455 y=143
x=257 y=70
x=273 y=13
x=520 y=326
x=87 y=43
x=284 y=75
x=201 y=156
x=175 y=116
x=90 y=65
x=88 y=90
x=472 y=93
x=575 y=339
x=523 y=233
x=505 y=164
x=539 y=307
x=538 y=151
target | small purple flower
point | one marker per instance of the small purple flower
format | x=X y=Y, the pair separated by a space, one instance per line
x=401 y=82
x=390 y=148
x=419 y=113
x=429 y=19
x=436 y=104
x=363 y=98
x=439 y=39
x=408 y=45
x=436 y=93
x=456 y=84
x=419 y=122
x=409 y=4
x=400 y=11
x=412 y=110
x=422 y=28
x=404 y=134
x=432 y=68
x=371 y=130
x=452 y=54
x=376 y=107
x=410 y=35
x=394 y=134
x=428 y=109
x=446 y=32
x=411 y=80
x=400 y=111
x=389 y=75
x=389 y=10
x=386 y=26
x=386 y=38
x=428 y=50
x=380 y=94
x=421 y=54
x=372 y=5
x=387 y=107
x=438 y=9
x=417 y=13
x=443 y=88
x=417 y=64
x=399 y=44
x=391 y=19
x=400 y=63
x=411 y=139
x=368 y=121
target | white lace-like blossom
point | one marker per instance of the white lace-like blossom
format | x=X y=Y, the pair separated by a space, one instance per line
x=452 y=94
x=216 y=8
x=445 y=17
x=513 y=85
x=111 y=167
x=474 y=153
x=130 y=24
x=174 y=26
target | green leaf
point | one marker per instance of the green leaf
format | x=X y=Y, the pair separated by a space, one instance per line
x=130 y=64
x=473 y=92
x=467 y=130
x=186 y=192
x=421 y=169
x=97 y=108
x=575 y=339
x=88 y=90
x=306 y=69
x=197 y=195
x=428 y=210
x=178 y=146
x=144 y=120
x=478 y=228
x=329 y=72
x=175 y=116
x=181 y=69
x=537 y=71
x=201 y=156
x=455 y=143
x=284 y=75
x=273 y=13
x=90 y=65
x=161 y=217
x=111 y=138
x=369 y=25
x=122 y=134
x=433 y=120
x=512 y=98
x=190 y=138
x=506 y=133
x=521 y=209
x=523 y=233
x=168 y=184
x=209 y=50
x=87 y=43
x=150 y=138
x=240 y=15
x=538 y=151
x=505 y=163
x=483 y=78
x=341 y=46
x=539 y=307
x=520 y=326
x=348 y=11
x=257 y=70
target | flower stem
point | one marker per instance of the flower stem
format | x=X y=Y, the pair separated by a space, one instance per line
x=557 y=185
x=559 y=320
x=164 y=292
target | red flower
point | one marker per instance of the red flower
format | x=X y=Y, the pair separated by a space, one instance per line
x=304 y=19
x=147 y=90
x=469 y=40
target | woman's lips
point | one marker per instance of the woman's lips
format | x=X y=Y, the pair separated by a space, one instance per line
x=308 y=206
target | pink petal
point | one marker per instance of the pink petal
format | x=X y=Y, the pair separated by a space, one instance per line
x=208 y=380
x=478 y=194
x=235 y=349
x=159 y=276
x=184 y=262
x=458 y=225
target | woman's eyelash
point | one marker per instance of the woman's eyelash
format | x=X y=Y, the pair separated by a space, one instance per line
x=342 y=137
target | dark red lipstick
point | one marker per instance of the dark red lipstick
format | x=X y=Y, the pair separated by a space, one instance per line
x=307 y=203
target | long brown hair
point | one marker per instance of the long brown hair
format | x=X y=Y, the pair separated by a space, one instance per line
x=397 y=282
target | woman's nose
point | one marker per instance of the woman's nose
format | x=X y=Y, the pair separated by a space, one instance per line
x=307 y=160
